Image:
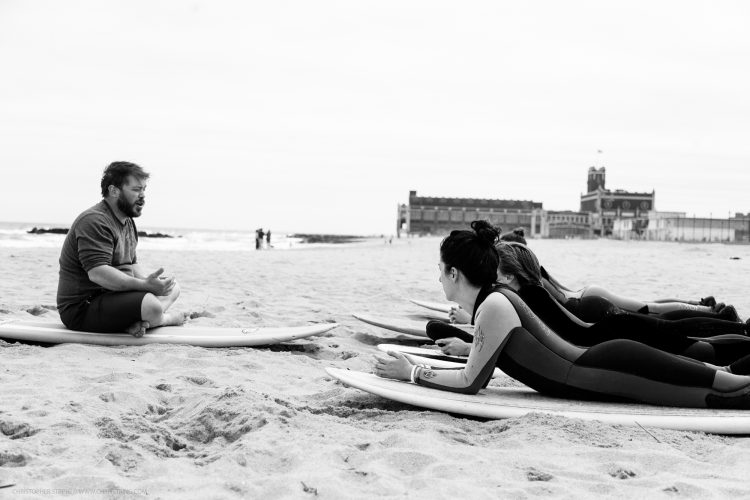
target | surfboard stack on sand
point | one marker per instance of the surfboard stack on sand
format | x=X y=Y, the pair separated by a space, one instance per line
x=415 y=328
x=506 y=402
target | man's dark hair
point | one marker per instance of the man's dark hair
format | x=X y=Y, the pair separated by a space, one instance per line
x=116 y=173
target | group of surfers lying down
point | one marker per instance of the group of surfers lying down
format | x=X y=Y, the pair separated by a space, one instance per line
x=701 y=359
x=593 y=302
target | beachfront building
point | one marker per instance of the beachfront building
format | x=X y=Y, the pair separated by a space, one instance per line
x=631 y=229
x=438 y=215
x=561 y=224
x=676 y=226
x=402 y=219
x=606 y=206
x=741 y=224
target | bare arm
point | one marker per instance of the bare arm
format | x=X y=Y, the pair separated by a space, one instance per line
x=495 y=319
x=113 y=279
x=138 y=271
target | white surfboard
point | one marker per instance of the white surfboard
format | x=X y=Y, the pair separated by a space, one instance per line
x=202 y=336
x=432 y=357
x=444 y=307
x=418 y=328
x=496 y=402
x=413 y=327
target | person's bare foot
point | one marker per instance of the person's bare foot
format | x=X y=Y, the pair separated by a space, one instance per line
x=137 y=329
x=174 y=319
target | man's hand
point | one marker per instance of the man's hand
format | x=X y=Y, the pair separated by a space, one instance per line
x=157 y=285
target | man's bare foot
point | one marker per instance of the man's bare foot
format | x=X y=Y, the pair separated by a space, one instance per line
x=137 y=329
x=174 y=319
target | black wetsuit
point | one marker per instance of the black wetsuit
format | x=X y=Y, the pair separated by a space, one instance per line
x=613 y=370
x=593 y=308
x=684 y=337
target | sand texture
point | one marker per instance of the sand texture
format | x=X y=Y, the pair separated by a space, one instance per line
x=165 y=421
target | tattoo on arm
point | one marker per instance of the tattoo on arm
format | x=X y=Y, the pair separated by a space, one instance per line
x=479 y=339
x=428 y=374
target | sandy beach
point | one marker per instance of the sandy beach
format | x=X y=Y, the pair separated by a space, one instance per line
x=186 y=422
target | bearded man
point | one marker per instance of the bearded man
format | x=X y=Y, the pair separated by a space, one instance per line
x=101 y=287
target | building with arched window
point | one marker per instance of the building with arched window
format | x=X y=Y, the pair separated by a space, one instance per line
x=600 y=211
x=438 y=215
x=605 y=206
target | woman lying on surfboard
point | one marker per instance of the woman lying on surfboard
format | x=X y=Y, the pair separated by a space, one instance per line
x=508 y=335
x=704 y=339
x=593 y=302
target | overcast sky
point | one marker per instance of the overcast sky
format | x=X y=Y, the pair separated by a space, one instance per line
x=320 y=116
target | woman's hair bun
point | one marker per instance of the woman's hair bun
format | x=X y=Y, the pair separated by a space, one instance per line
x=485 y=231
x=516 y=234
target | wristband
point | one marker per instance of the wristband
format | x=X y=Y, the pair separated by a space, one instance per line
x=413 y=375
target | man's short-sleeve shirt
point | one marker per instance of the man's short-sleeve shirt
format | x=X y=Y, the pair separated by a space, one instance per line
x=96 y=238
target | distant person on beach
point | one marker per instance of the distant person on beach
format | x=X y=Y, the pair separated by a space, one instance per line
x=268 y=239
x=509 y=336
x=259 y=238
x=102 y=288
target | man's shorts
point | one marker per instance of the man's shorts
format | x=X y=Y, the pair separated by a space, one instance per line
x=109 y=312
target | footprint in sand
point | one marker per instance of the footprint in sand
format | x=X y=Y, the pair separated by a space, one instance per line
x=213 y=423
x=107 y=397
x=536 y=475
x=108 y=429
x=16 y=431
x=409 y=462
x=123 y=457
x=12 y=459
x=622 y=474
x=38 y=310
x=199 y=380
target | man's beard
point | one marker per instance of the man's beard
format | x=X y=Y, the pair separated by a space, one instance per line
x=129 y=209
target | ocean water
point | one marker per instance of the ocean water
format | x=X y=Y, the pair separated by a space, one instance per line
x=16 y=235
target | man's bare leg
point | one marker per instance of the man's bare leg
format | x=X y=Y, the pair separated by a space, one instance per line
x=153 y=313
x=168 y=300
x=172 y=318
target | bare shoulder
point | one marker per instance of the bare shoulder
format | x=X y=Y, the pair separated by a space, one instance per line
x=497 y=310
